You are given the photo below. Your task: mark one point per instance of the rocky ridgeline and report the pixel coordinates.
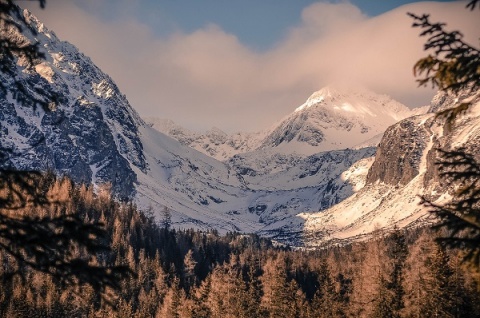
(90, 135)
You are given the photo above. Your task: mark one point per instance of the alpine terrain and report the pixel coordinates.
(332, 118)
(273, 182)
(404, 169)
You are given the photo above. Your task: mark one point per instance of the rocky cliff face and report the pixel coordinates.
(399, 154)
(91, 134)
(460, 134)
(405, 144)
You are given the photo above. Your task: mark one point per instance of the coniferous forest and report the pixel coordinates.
(187, 273)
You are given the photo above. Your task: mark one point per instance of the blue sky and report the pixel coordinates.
(242, 65)
(258, 24)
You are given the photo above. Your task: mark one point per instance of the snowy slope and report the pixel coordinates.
(195, 187)
(403, 170)
(214, 142)
(276, 171)
(205, 193)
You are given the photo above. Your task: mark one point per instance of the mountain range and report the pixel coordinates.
(332, 118)
(328, 155)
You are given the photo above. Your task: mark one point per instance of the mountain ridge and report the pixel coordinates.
(330, 119)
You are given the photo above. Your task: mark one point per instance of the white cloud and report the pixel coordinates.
(209, 78)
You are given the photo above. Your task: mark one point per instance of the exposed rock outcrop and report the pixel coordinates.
(398, 156)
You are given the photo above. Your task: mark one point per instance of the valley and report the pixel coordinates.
(350, 205)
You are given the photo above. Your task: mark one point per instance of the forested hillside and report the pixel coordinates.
(201, 274)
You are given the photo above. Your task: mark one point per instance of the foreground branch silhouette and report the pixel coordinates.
(61, 244)
(454, 66)
(461, 215)
(13, 48)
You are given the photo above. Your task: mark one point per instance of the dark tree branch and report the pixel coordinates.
(19, 189)
(453, 64)
(51, 245)
(65, 246)
(13, 48)
(461, 215)
(471, 5)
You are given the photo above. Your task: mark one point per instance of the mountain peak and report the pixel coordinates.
(215, 131)
(356, 101)
(334, 93)
(318, 97)
(324, 93)
(336, 117)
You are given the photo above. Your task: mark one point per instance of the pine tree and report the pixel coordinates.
(172, 301)
(189, 264)
(390, 294)
(369, 269)
(416, 276)
(166, 218)
(439, 301)
(201, 296)
(326, 300)
(281, 295)
(254, 287)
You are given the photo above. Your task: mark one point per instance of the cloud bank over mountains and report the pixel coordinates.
(208, 77)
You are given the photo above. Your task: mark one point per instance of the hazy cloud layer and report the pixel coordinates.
(208, 78)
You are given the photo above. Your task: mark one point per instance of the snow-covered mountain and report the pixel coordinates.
(333, 118)
(215, 142)
(404, 169)
(92, 134)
